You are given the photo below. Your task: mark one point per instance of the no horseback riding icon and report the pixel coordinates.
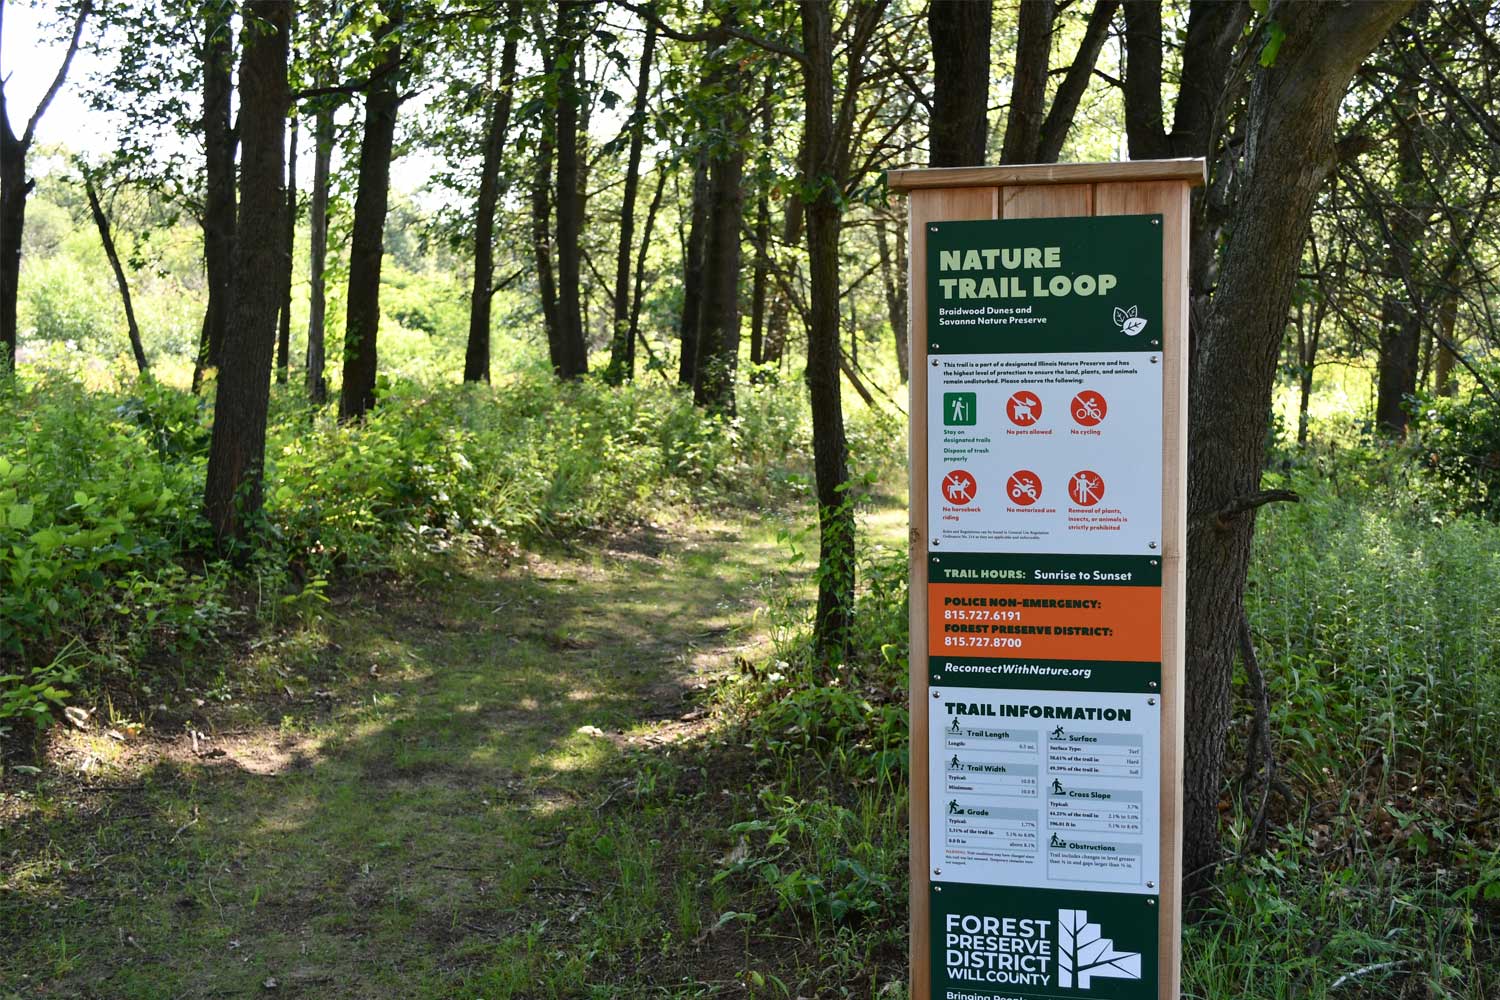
(959, 487)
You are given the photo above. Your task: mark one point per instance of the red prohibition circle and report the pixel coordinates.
(1088, 408)
(1023, 488)
(1086, 487)
(1024, 408)
(959, 487)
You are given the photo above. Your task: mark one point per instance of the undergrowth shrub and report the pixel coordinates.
(108, 565)
(1457, 442)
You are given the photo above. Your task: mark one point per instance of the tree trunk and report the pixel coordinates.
(14, 187)
(1400, 307)
(622, 345)
(830, 448)
(367, 243)
(573, 353)
(760, 281)
(893, 279)
(219, 213)
(233, 490)
(1291, 117)
(101, 222)
(317, 384)
(477, 351)
(1070, 92)
(960, 31)
(719, 314)
(1028, 90)
(284, 334)
(693, 275)
(1443, 382)
(719, 319)
(640, 275)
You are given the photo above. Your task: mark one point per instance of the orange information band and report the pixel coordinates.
(1045, 623)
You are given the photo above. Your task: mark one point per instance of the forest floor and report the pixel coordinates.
(496, 778)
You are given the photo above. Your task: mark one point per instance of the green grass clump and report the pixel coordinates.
(109, 568)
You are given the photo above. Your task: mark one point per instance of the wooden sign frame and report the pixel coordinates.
(1048, 191)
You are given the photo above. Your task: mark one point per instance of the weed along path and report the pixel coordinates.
(468, 786)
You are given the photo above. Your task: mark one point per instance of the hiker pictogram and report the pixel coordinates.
(1024, 408)
(959, 487)
(1089, 408)
(1024, 487)
(1086, 488)
(1057, 787)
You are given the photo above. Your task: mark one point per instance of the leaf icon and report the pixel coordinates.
(1120, 316)
(1133, 326)
(1131, 312)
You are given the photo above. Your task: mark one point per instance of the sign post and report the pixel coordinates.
(1048, 455)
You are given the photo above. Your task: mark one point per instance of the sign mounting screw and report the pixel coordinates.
(937, 694)
(934, 362)
(1150, 885)
(937, 871)
(1153, 359)
(1153, 545)
(936, 541)
(1152, 684)
(1151, 701)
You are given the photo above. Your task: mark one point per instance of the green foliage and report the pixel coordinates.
(1458, 442)
(102, 545)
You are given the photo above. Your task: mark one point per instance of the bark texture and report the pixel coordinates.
(289, 253)
(572, 357)
(317, 383)
(960, 32)
(622, 343)
(219, 211)
(692, 275)
(1292, 112)
(367, 243)
(477, 350)
(236, 457)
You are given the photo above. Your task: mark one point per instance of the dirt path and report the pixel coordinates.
(422, 795)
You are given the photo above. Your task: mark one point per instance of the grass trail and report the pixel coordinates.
(444, 788)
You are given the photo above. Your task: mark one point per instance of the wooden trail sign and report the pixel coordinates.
(1048, 489)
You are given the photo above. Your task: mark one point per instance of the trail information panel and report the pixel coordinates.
(1044, 448)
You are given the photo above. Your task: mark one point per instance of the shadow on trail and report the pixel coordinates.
(471, 789)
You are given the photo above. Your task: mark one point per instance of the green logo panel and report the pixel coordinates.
(1003, 943)
(959, 409)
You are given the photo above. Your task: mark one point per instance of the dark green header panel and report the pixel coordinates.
(1004, 286)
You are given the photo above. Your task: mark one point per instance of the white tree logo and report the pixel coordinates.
(1084, 953)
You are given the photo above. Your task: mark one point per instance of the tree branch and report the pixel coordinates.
(62, 74)
(1245, 504)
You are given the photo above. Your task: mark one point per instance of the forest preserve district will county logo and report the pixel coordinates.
(1007, 951)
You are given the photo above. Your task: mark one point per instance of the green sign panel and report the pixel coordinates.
(960, 409)
(993, 943)
(1044, 606)
(1062, 285)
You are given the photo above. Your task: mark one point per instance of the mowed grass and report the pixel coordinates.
(468, 784)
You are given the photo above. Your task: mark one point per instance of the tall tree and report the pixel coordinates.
(1288, 151)
(236, 457)
(15, 186)
(289, 251)
(477, 351)
(367, 245)
(572, 29)
(317, 384)
(1032, 136)
(688, 326)
(219, 212)
(107, 240)
(761, 237)
(829, 155)
(960, 31)
(621, 348)
(719, 313)
(893, 280)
